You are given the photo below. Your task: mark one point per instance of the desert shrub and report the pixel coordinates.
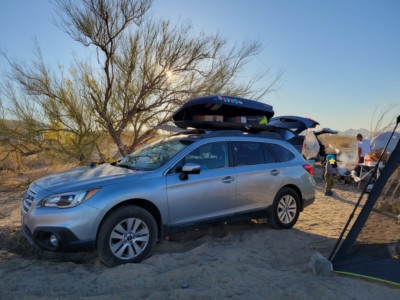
(345, 145)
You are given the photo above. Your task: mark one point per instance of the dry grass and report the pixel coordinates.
(17, 171)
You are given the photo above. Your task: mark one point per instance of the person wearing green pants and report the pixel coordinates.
(330, 169)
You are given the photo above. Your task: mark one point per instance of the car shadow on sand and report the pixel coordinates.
(220, 235)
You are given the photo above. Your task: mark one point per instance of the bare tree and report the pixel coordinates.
(141, 75)
(378, 125)
(45, 112)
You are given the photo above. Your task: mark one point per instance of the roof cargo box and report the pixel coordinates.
(223, 112)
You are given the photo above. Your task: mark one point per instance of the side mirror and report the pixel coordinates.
(187, 169)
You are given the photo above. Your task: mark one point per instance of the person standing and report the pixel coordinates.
(330, 170)
(363, 148)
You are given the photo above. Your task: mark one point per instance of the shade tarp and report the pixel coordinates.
(372, 246)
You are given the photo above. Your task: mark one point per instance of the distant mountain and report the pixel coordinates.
(353, 132)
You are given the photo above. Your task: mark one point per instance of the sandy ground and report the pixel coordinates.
(247, 260)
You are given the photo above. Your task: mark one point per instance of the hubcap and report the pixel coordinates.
(129, 238)
(287, 209)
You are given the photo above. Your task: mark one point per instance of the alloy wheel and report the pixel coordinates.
(129, 238)
(287, 208)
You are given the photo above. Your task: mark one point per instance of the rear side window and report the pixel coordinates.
(248, 153)
(269, 154)
(281, 152)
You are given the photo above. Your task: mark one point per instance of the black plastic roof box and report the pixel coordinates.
(226, 106)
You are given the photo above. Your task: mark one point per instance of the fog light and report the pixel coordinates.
(53, 240)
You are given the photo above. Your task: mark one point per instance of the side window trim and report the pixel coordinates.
(233, 159)
(231, 154)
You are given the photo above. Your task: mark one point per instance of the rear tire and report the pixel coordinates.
(285, 209)
(128, 235)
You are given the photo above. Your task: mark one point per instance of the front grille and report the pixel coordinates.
(28, 200)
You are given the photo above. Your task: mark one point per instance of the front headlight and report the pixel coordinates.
(70, 199)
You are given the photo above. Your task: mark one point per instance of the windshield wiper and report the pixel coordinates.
(133, 168)
(127, 167)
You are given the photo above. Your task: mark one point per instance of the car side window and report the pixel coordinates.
(248, 153)
(209, 156)
(282, 153)
(269, 154)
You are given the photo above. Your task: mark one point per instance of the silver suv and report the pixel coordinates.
(175, 184)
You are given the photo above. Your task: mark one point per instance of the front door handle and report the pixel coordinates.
(228, 179)
(275, 172)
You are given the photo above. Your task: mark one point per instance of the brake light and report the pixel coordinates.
(309, 168)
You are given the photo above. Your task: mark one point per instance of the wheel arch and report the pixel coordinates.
(298, 192)
(143, 203)
(279, 210)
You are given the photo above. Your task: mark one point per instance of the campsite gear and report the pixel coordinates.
(369, 249)
(385, 135)
(263, 121)
(297, 125)
(310, 145)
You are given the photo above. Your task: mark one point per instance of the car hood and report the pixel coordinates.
(84, 177)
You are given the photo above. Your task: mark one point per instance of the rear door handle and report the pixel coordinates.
(275, 172)
(228, 179)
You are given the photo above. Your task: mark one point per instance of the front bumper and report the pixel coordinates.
(62, 230)
(67, 241)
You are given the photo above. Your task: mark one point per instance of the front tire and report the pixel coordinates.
(128, 235)
(285, 209)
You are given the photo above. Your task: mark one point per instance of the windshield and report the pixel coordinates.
(153, 156)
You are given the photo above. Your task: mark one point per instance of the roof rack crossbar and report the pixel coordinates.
(224, 132)
(263, 134)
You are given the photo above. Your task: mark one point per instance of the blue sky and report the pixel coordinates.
(341, 59)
